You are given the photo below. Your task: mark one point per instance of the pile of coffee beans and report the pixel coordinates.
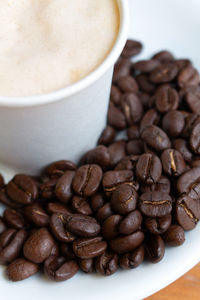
(129, 198)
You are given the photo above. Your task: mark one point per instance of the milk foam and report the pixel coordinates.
(46, 45)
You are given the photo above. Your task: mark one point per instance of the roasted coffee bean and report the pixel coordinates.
(124, 199)
(81, 205)
(127, 163)
(166, 99)
(196, 162)
(173, 123)
(21, 269)
(87, 180)
(144, 98)
(7, 201)
(164, 73)
(148, 168)
(58, 168)
(38, 246)
(132, 108)
(104, 212)
(190, 122)
(112, 179)
(127, 243)
(11, 242)
(131, 48)
(13, 218)
(164, 56)
(162, 185)
(145, 84)
(82, 226)
(183, 63)
(155, 248)
(110, 227)
(22, 189)
(127, 84)
(182, 147)
(2, 226)
(117, 151)
(122, 68)
(135, 147)
(47, 189)
(36, 215)
(115, 94)
(57, 269)
(63, 189)
(192, 99)
(156, 138)
(2, 183)
(188, 77)
(146, 66)
(130, 223)
(116, 118)
(59, 230)
(174, 236)
(155, 204)
(108, 136)
(189, 183)
(86, 265)
(66, 251)
(158, 225)
(133, 259)
(107, 264)
(58, 208)
(97, 201)
(151, 117)
(100, 156)
(173, 162)
(55, 250)
(187, 212)
(133, 132)
(195, 139)
(89, 248)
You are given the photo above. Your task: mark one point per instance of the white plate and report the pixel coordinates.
(172, 24)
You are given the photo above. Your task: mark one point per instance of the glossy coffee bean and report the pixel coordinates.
(182, 146)
(36, 215)
(124, 199)
(162, 185)
(59, 230)
(4, 199)
(133, 132)
(189, 184)
(87, 180)
(63, 189)
(11, 242)
(106, 264)
(100, 156)
(58, 269)
(115, 94)
(173, 162)
(130, 223)
(173, 123)
(174, 236)
(188, 77)
(22, 189)
(135, 147)
(192, 99)
(38, 246)
(195, 139)
(82, 226)
(190, 122)
(148, 168)
(127, 163)
(127, 84)
(13, 218)
(131, 48)
(3, 226)
(164, 73)
(108, 136)
(110, 227)
(47, 189)
(166, 100)
(58, 208)
(89, 248)
(132, 108)
(58, 168)
(97, 201)
(132, 259)
(145, 84)
(156, 138)
(158, 225)
(86, 265)
(127, 243)
(164, 56)
(155, 248)
(122, 68)
(117, 152)
(112, 179)
(21, 269)
(151, 117)
(116, 118)
(67, 251)
(187, 212)
(146, 66)
(104, 212)
(81, 206)
(155, 204)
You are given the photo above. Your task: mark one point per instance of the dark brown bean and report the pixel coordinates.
(155, 248)
(188, 77)
(127, 243)
(86, 265)
(174, 236)
(156, 138)
(81, 205)
(122, 68)
(133, 259)
(130, 223)
(195, 139)
(63, 189)
(155, 204)
(97, 201)
(89, 248)
(127, 163)
(145, 84)
(151, 117)
(2, 226)
(47, 189)
(162, 185)
(164, 56)
(192, 99)
(108, 136)
(110, 227)
(124, 199)
(158, 225)
(164, 73)
(107, 264)
(173, 162)
(21, 269)
(135, 147)
(173, 123)
(58, 208)
(133, 132)
(131, 48)
(146, 66)
(99, 156)
(117, 151)
(37, 215)
(189, 183)
(59, 230)
(13, 218)
(166, 99)
(127, 84)
(104, 212)
(115, 94)
(132, 108)
(58, 168)
(148, 168)
(182, 147)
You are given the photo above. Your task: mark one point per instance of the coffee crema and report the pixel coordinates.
(48, 45)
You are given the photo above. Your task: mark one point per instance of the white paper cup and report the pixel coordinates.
(36, 130)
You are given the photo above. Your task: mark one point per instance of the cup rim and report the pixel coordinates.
(27, 101)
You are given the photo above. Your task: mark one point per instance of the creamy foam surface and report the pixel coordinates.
(46, 45)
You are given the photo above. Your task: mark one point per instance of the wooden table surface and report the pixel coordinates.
(185, 288)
